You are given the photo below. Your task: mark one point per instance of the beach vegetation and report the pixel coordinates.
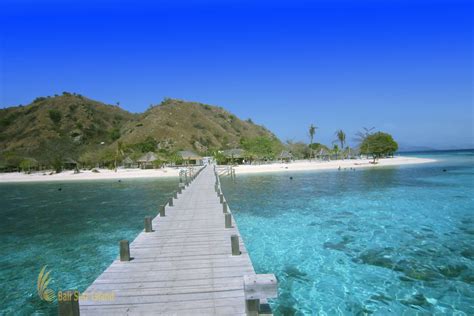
(261, 148)
(341, 138)
(299, 150)
(312, 132)
(379, 145)
(27, 164)
(335, 151)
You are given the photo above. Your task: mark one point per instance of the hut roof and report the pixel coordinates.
(286, 155)
(70, 161)
(148, 157)
(189, 155)
(128, 160)
(234, 153)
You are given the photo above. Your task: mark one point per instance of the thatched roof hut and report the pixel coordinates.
(285, 156)
(190, 157)
(70, 163)
(149, 157)
(128, 161)
(234, 156)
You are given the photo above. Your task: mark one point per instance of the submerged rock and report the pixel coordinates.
(381, 298)
(421, 274)
(340, 245)
(468, 278)
(293, 273)
(376, 257)
(417, 300)
(452, 271)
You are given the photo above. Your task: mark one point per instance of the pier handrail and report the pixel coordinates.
(249, 291)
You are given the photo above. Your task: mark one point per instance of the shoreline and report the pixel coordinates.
(301, 165)
(86, 175)
(305, 165)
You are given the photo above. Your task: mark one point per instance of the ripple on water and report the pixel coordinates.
(387, 241)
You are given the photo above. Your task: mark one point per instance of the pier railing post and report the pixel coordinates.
(175, 194)
(162, 211)
(148, 224)
(257, 287)
(228, 220)
(68, 303)
(170, 201)
(221, 198)
(224, 207)
(234, 241)
(124, 250)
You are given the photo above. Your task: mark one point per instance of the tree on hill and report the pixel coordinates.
(378, 145)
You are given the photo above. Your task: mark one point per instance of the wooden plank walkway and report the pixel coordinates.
(183, 267)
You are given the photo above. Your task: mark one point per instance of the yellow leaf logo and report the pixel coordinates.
(43, 280)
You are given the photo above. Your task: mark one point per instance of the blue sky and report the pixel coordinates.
(404, 67)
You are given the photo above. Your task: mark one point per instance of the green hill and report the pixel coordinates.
(51, 130)
(176, 125)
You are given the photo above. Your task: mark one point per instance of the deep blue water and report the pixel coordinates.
(74, 231)
(395, 240)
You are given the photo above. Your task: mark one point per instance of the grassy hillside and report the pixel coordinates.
(176, 125)
(53, 129)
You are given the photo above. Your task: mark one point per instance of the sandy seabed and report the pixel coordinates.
(301, 165)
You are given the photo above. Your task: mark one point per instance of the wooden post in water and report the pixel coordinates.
(124, 250)
(224, 207)
(148, 225)
(68, 303)
(234, 241)
(170, 201)
(162, 211)
(228, 220)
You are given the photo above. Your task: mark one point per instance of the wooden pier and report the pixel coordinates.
(189, 260)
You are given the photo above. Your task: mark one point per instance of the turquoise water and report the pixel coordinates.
(396, 240)
(74, 231)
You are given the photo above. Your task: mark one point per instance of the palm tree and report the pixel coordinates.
(312, 131)
(118, 153)
(336, 150)
(341, 137)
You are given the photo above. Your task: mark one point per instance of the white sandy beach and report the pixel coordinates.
(305, 165)
(103, 174)
(302, 165)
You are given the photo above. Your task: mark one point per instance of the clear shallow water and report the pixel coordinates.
(397, 240)
(74, 231)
